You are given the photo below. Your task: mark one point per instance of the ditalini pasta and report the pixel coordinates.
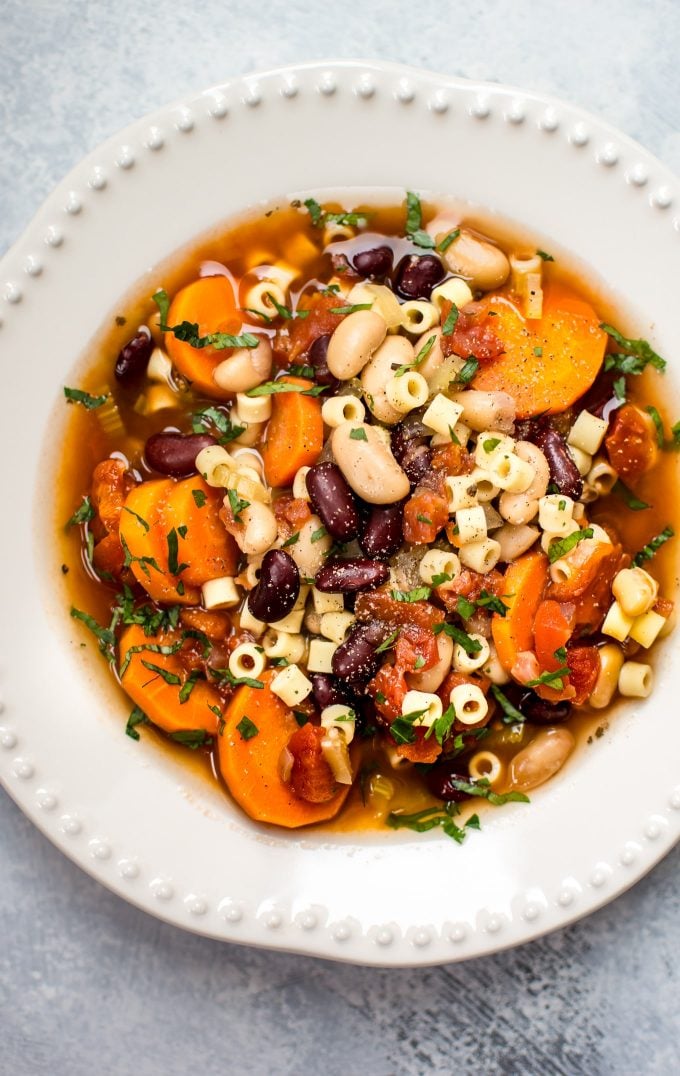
(377, 519)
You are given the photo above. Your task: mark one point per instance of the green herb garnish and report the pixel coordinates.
(270, 388)
(358, 434)
(351, 308)
(470, 646)
(511, 715)
(448, 239)
(387, 645)
(414, 220)
(137, 717)
(451, 320)
(165, 674)
(544, 256)
(417, 595)
(83, 514)
(562, 546)
(237, 504)
(420, 357)
(482, 788)
(632, 500)
(637, 349)
(468, 371)
(90, 403)
(648, 551)
(247, 728)
(191, 738)
(658, 424)
(213, 417)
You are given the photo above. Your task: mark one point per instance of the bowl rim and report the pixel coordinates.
(20, 267)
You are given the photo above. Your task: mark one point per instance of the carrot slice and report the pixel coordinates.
(294, 434)
(160, 700)
(523, 585)
(142, 531)
(548, 363)
(209, 303)
(250, 767)
(205, 546)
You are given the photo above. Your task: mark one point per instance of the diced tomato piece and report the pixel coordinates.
(631, 442)
(553, 626)
(584, 669)
(304, 331)
(589, 589)
(291, 513)
(422, 749)
(472, 336)
(452, 459)
(425, 513)
(379, 605)
(311, 776)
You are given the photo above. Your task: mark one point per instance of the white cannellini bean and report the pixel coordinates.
(393, 352)
(245, 368)
(432, 679)
(308, 555)
(486, 410)
(354, 342)
(368, 465)
(541, 758)
(482, 264)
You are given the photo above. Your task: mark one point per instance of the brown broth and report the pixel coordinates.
(285, 234)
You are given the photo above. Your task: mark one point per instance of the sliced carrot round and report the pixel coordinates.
(523, 586)
(204, 546)
(250, 766)
(294, 433)
(143, 531)
(547, 363)
(208, 302)
(159, 699)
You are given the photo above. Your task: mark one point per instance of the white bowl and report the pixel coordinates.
(140, 823)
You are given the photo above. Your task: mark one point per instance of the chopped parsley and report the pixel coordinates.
(619, 388)
(199, 497)
(90, 403)
(632, 500)
(562, 546)
(228, 677)
(387, 645)
(358, 434)
(490, 444)
(482, 788)
(414, 222)
(137, 717)
(511, 715)
(420, 357)
(423, 519)
(138, 518)
(538, 352)
(174, 566)
(237, 504)
(351, 309)
(444, 244)
(302, 371)
(189, 684)
(210, 417)
(544, 256)
(470, 646)
(639, 350)
(468, 371)
(192, 738)
(675, 432)
(320, 217)
(270, 388)
(658, 424)
(104, 636)
(417, 595)
(442, 726)
(83, 514)
(402, 730)
(318, 534)
(291, 541)
(431, 817)
(165, 674)
(451, 320)
(247, 728)
(648, 551)
(284, 311)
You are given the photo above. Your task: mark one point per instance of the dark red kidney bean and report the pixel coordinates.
(278, 588)
(409, 448)
(347, 576)
(355, 661)
(333, 500)
(175, 453)
(317, 358)
(132, 359)
(375, 263)
(417, 275)
(328, 690)
(540, 712)
(383, 531)
(440, 778)
(563, 471)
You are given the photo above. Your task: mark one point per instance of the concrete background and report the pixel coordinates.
(89, 985)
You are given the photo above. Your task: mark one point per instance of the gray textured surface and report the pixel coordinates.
(90, 985)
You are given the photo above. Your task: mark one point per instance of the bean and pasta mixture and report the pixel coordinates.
(362, 514)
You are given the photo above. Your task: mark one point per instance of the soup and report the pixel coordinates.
(365, 512)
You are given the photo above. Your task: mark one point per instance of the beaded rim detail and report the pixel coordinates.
(68, 825)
